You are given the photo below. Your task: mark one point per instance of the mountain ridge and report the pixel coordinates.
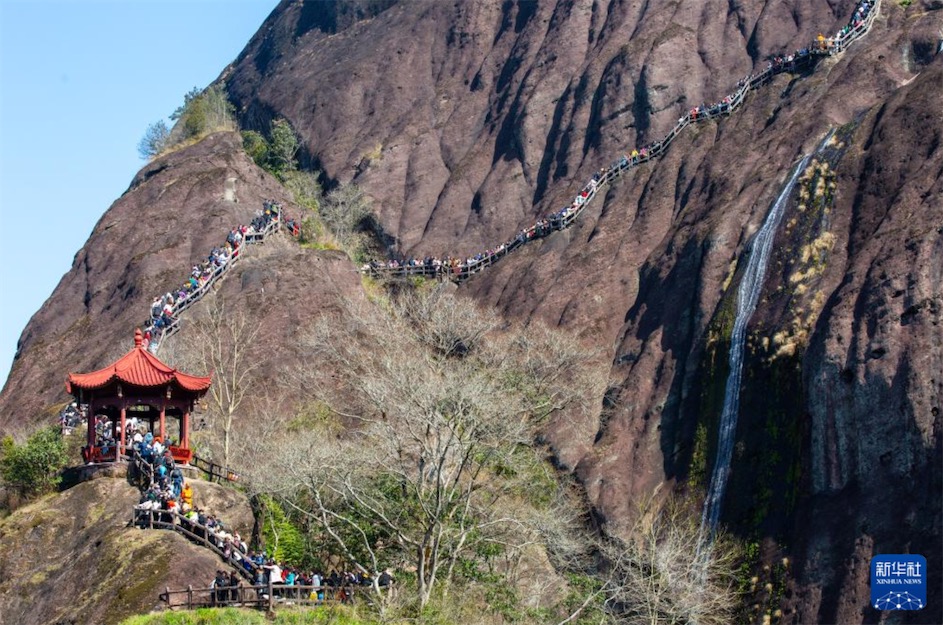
(501, 122)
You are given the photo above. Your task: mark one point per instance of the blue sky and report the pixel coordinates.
(80, 81)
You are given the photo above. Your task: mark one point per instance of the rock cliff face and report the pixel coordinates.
(466, 121)
(871, 375)
(72, 558)
(168, 220)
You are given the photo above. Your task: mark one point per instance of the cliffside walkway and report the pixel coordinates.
(197, 534)
(252, 594)
(262, 596)
(458, 270)
(253, 236)
(141, 474)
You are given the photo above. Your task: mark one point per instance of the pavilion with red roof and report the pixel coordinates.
(136, 385)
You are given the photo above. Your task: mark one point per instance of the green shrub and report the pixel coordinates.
(283, 147)
(188, 99)
(276, 154)
(33, 468)
(256, 147)
(203, 112)
(283, 541)
(305, 188)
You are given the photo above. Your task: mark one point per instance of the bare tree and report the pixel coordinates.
(154, 140)
(222, 340)
(343, 209)
(439, 459)
(662, 576)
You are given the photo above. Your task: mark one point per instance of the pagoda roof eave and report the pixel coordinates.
(138, 368)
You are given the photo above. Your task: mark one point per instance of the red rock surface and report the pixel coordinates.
(521, 107)
(169, 219)
(74, 558)
(465, 121)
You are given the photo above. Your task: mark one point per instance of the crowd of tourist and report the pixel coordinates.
(287, 582)
(169, 493)
(166, 308)
(557, 220)
(293, 584)
(105, 434)
(167, 489)
(71, 416)
(168, 498)
(459, 268)
(106, 430)
(855, 27)
(225, 587)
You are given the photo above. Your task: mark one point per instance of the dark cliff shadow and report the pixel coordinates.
(669, 303)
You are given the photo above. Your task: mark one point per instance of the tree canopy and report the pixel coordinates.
(438, 471)
(34, 467)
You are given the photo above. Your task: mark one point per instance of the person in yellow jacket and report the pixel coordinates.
(186, 496)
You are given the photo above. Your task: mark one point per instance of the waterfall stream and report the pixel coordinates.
(751, 285)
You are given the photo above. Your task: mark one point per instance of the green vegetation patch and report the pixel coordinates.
(34, 467)
(341, 219)
(283, 540)
(333, 615)
(203, 112)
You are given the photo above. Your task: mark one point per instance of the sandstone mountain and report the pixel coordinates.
(173, 214)
(467, 121)
(54, 546)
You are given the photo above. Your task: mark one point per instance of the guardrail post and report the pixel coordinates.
(170, 603)
(271, 595)
(189, 597)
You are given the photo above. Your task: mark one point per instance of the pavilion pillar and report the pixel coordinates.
(185, 429)
(90, 418)
(122, 435)
(163, 424)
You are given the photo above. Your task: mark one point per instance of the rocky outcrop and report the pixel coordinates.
(465, 121)
(168, 220)
(871, 376)
(438, 108)
(510, 123)
(73, 557)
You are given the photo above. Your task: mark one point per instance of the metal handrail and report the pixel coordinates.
(200, 534)
(263, 596)
(802, 58)
(216, 472)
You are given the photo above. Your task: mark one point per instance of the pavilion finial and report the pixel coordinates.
(138, 338)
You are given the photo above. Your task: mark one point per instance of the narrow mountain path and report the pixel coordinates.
(164, 319)
(152, 513)
(460, 269)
